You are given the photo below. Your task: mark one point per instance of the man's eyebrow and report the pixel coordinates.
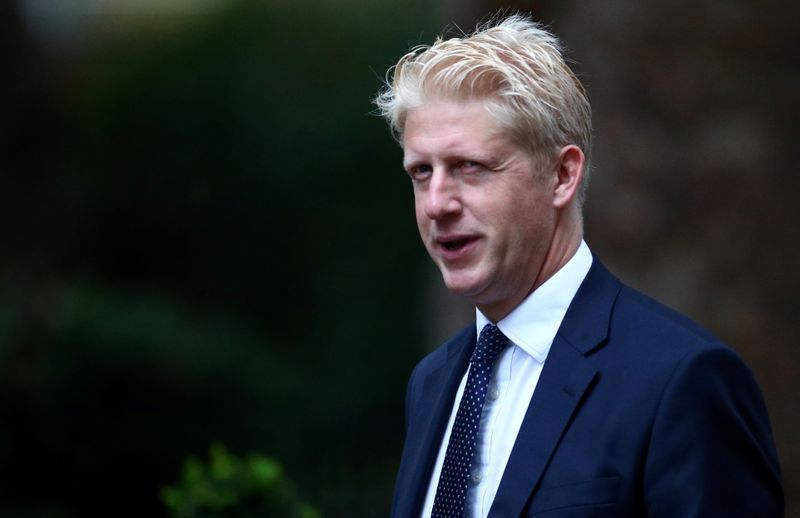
(413, 159)
(483, 158)
(407, 164)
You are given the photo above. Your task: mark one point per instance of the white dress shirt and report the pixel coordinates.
(531, 328)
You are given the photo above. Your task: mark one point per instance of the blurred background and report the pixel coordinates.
(207, 237)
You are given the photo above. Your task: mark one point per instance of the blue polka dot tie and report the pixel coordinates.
(451, 493)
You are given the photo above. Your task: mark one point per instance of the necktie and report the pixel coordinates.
(451, 492)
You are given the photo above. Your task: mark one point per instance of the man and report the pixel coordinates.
(572, 395)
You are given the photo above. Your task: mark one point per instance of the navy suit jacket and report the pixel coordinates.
(638, 412)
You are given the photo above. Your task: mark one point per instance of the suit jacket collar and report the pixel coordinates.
(585, 326)
(566, 378)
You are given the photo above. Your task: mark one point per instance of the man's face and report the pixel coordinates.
(484, 209)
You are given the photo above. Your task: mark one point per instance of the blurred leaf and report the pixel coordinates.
(230, 487)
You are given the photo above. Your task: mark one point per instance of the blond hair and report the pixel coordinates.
(517, 66)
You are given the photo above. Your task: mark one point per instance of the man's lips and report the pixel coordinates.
(455, 247)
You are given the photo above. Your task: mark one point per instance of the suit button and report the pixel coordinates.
(476, 477)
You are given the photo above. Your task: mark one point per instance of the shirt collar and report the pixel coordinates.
(534, 323)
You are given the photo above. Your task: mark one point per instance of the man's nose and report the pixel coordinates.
(443, 196)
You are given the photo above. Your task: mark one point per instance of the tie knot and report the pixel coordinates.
(490, 343)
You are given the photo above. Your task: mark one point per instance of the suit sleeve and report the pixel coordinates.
(711, 451)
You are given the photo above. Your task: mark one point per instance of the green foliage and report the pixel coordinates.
(233, 487)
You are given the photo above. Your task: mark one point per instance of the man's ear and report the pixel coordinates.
(569, 172)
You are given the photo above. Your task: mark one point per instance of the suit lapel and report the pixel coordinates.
(429, 423)
(566, 377)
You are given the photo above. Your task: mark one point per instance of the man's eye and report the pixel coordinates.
(420, 172)
(470, 166)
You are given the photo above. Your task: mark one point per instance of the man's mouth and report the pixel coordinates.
(456, 247)
(456, 244)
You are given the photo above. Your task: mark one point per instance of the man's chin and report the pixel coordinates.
(468, 287)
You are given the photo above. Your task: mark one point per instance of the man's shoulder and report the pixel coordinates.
(607, 310)
(447, 350)
(449, 353)
(633, 325)
(638, 305)
(659, 329)
(661, 351)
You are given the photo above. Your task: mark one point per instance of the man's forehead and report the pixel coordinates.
(453, 128)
